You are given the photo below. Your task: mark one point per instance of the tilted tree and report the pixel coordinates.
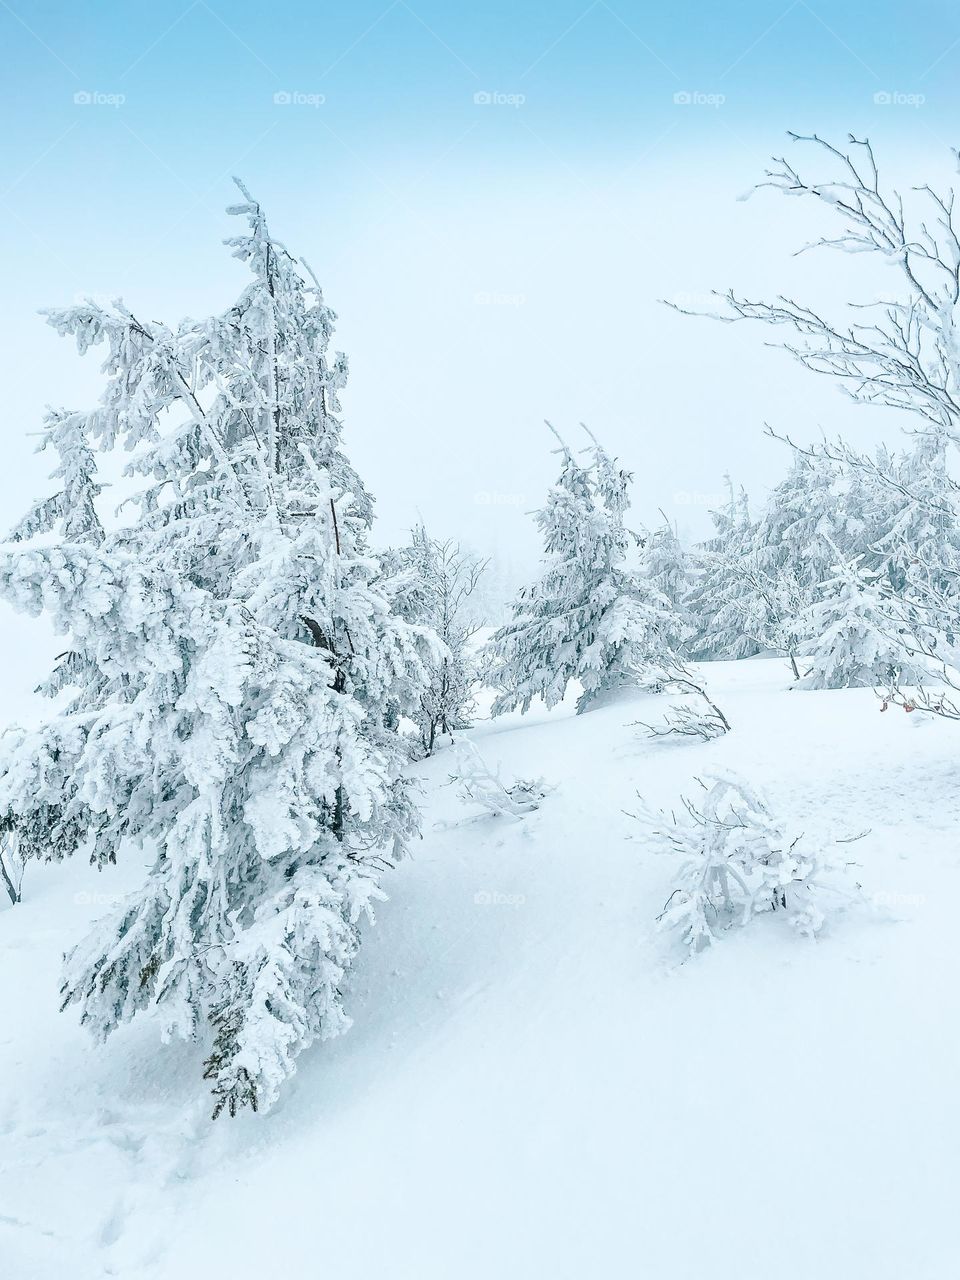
(232, 656)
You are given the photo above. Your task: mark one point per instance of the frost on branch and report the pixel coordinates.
(857, 641)
(72, 510)
(478, 784)
(701, 718)
(737, 862)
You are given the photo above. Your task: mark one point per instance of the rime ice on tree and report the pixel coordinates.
(590, 617)
(237, 671)
(433, 583)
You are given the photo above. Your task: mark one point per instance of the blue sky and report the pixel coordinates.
(398, 80)
(493, 261)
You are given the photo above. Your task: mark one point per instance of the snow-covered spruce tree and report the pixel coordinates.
(665, 566)
(589, 617)
(855, 642)
(916, 549)
(233, 659)
(791, 554)
(724, 605)
(756, 576)
(801, 513)
(433, 585)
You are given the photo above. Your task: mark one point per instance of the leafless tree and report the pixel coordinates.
(905, 353)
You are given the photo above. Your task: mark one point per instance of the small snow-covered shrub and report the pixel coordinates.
(737, 862)
(479, 784)
(702, 719)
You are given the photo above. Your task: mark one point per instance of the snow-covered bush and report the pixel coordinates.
(237, 674)
(736, 862)
(478, 784)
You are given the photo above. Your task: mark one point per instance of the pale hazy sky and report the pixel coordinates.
(493, 261)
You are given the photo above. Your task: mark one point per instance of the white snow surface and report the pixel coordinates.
(538, 1083)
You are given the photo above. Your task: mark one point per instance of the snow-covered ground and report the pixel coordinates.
(536, 1084)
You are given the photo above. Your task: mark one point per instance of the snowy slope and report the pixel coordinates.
(535, 1085)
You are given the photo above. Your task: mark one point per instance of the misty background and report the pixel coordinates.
(495, 202)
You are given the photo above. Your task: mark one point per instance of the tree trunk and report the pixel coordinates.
(11, 888)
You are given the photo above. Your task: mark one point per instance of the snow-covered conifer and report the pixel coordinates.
(725, 607)
(72, 510)
(801, 513)
(665, 566)
(234, 658)
(856, 641)
(589, 617)
(916, 549)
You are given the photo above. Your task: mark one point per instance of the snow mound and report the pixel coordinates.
(538, 1083)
